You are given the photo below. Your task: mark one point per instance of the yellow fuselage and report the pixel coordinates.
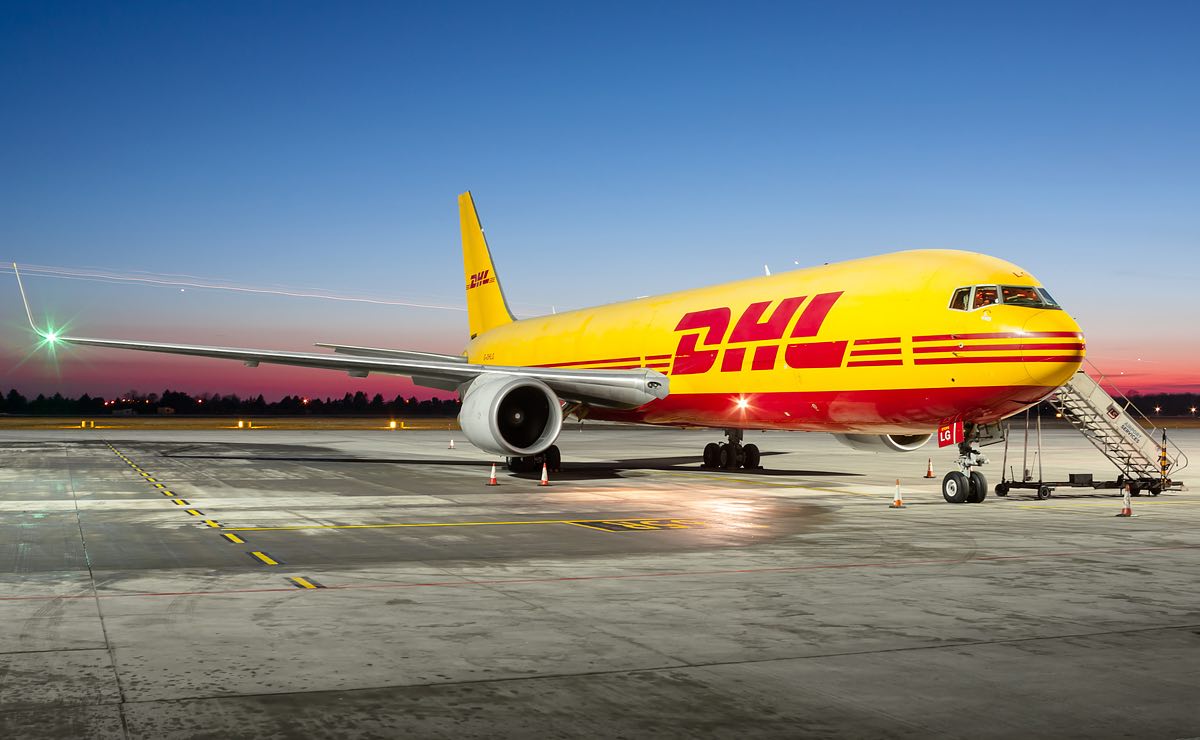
(869, 345)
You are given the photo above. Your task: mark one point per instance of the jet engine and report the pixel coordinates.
(510, 415)
(884, 442)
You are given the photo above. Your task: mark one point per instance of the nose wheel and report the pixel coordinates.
(964, 488)
(967, 485)
(731, 455)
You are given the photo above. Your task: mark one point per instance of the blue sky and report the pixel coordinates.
(614, 150)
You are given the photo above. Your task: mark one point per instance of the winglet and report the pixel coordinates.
(28, 313)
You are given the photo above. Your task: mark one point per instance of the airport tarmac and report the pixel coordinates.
(271, 583)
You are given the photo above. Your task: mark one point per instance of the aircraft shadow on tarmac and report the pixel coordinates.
(570, 471)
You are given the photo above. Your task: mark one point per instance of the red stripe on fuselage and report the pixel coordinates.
(866, 411)
(871, 352)
(1022, 358)
(998, 347)
(999, 335)
(874, 363)
(878, 340)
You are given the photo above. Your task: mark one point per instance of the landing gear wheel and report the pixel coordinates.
(978, 485)
(1044, 492)
(752, 457)
(553, 459)
(1001, 489)
(519, 464)
(1134, 490)
(723, 452)
(712, 455)
(955, 487)
(732, 456)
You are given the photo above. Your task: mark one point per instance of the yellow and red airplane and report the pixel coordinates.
(882, 352)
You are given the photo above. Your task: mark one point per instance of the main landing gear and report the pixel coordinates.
(533, 464)
(966, 485)
(733, 454)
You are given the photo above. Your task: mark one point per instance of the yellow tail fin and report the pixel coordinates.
(486, 307)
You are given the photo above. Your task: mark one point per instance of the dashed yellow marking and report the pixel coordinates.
(181, 502)
(633, 525)
(165, 492)
(303, 582)
(265, 558)
(159, 485)
(452, 524)
(233, 538)
(213, 523)
(193, 512)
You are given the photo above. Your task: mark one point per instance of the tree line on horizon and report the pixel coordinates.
(216, 404)
(359, 404)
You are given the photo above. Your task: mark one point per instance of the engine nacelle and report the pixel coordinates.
(510, 416)
(884, 442)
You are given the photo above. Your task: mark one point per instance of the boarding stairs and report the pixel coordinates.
(1123, 434)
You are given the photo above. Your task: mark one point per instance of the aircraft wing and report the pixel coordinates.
(348, 349)
(613, 388)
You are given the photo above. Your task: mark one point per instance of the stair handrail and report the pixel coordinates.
(1181, 458)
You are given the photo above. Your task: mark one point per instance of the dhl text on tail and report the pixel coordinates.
(881, 351)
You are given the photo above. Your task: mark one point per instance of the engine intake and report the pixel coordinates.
(884, 442)
(510, 416)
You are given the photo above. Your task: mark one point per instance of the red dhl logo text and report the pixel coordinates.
(480, 278)
(708, 330)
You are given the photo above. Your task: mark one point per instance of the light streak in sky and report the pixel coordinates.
(191, 281)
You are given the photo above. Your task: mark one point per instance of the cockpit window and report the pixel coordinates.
(985, 295)
(982, 296)
(1021, 295)
(1049, 299)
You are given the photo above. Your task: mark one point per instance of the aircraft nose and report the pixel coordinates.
(1053, 348)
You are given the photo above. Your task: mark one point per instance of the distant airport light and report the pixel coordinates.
(392, 424)
(241, 424)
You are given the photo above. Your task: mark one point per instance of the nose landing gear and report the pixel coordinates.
(966, 485)
(733, 454)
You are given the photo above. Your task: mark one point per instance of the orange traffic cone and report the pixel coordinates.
(492, 480)
(929, 470)
(545, 478)
(1126, 509)
(898, 500)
